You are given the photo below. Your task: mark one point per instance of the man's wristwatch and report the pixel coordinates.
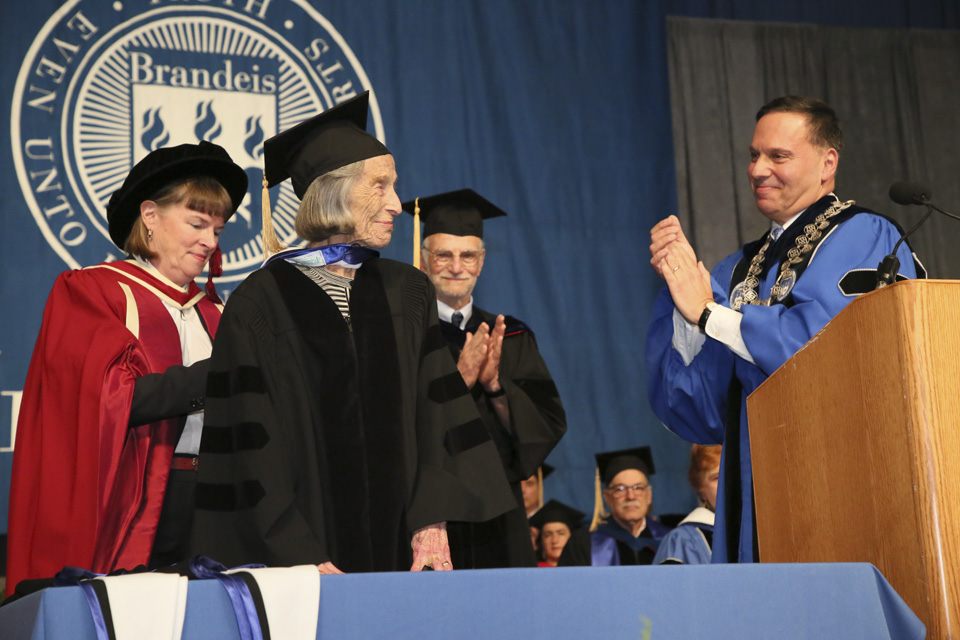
(495, 394)
(704, 316)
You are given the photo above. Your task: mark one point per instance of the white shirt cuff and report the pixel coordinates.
(724, 326)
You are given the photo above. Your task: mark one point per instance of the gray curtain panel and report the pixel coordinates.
(897, 92)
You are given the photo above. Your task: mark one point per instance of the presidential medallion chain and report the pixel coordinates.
(787, 277)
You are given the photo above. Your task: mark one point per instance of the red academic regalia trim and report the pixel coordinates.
(86, 490)
(173, 295)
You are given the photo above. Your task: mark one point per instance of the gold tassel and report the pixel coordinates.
(271, 244)
(598, 513)
(416, 242)
(540, 484)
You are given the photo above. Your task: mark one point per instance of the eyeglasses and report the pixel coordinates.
(620, 490)
(467, 258)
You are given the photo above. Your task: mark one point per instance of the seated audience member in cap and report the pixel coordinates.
(500, 363)
(627, 535)
(532, 492)
(692, 541)
(532, 489)
(109, 425)
(555, 522)
(344, 436)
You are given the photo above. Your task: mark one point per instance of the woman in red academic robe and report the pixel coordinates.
(109, 424)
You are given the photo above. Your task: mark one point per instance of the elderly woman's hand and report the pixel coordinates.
(431, 548)
(328, 568)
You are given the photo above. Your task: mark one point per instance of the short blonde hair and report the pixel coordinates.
(325, 208)
(203, 194)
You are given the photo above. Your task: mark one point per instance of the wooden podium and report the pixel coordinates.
(855, 443)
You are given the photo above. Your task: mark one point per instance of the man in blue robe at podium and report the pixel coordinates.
(714, 337)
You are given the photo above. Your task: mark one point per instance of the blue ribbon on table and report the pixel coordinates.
(237, 590)
(74, 576)
(93, 603)
(244, 608)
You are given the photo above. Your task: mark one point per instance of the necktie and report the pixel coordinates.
(776, 233)
(457, 318)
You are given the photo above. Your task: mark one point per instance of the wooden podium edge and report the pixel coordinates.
(929, 440)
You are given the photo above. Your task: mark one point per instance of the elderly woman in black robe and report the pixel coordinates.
(339, 432)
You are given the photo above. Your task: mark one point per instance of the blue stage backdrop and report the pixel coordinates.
(555, 110)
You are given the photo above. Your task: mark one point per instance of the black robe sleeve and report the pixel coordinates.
(176, 392)
(265, 491)
(259, 492)
(537, 418)
(458, 475)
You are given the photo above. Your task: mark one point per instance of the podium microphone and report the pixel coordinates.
(915, 193)
(906, 193)
(910, 193)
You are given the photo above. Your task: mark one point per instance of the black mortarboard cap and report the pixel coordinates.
(459, 213)
(164, 166)
(546, 470)
(327, 141)
(556, 511)
(611, 463)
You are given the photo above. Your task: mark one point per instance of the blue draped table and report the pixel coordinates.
(716, 601)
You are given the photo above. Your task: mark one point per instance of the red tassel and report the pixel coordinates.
(214, 270)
